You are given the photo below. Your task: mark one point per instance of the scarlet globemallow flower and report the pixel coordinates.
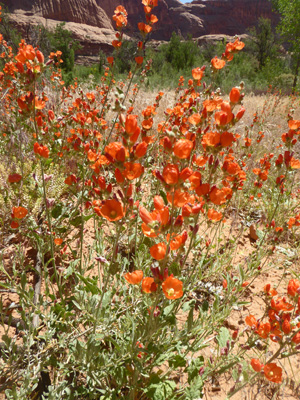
(145, 215)
(41, 150)
(217, 63)
(256, 365)
(234, 95)
(269, 291)
(183, 148)
(14, 178)
(217, 196)
(273, 373)
(263, 330)
(131, 124)
(132, 170)
(135, 277)
(214, 215)
(158, 202)
(171, 174)
(148, 285)
(158, 251)
(172, 288)
(251, 321)
(112, 210)
(197, 73)
(19, 212)
(281, 305)
(293, 288)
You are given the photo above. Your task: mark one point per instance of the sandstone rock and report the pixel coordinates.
(91, 20)
(91, 38)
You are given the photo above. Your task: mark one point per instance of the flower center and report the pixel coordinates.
(171, 292)
(113, 213)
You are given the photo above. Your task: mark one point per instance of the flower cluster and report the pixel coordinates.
(283, 325)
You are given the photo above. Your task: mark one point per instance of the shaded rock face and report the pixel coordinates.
(88, 19)
(79, 11)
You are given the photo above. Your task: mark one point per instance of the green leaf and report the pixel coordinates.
(90, 284)
(177, 361)
(223, 337)
(205, 306)
(194, 391)
(57, 210)
(161, 390)
(194, 367)
(164, 196)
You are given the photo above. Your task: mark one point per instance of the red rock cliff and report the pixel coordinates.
(91, 20)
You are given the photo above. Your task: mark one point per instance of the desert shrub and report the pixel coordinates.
(122, 216)
(8, 31)
(180, 54)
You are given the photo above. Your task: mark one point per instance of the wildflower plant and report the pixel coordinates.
(117, 222)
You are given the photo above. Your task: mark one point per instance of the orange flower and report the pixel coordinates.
(235, 95)
(281, 305)
(141, 150)
(148, 231)
(226, 139)
(286, 326)
(224, 116)
(211, 139)
(269, 291)
(273, 373)
(180, 198)
(183, 148)
(172, 288)
(200, 161)
(263, 330)
(135, 277)
(251, 321)
(58, 241)
(158, 251)
(171, 174)
(120, 17)
(214, 215)
(294, 124)
(116, 150)
(294, 163)
(144, 28)
(240, 113)
(203, 189)
(14, 224)
(139, 60)
(41, 150)
(177, 241)
(150, 3)
(293, 288)
(132, 170)
(296, 338)
(217, 196)
(197, 74)
(256, 365)
(195, 119)
(212, 104)
(145, 215)
(112, 210)
(70, 179)
(158, 202)
(131, 124)
(19, 212)
(217, 63)
(147, 124)
(14, 178)
(148, 285)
